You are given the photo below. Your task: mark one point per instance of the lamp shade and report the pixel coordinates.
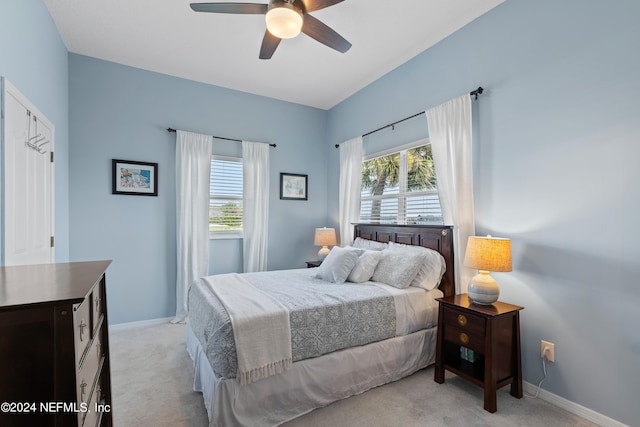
(325, 237)
(488, 253)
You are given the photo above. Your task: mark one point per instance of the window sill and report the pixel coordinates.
(225, 236)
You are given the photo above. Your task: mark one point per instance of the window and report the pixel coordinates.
(400, 187)
(225, 197)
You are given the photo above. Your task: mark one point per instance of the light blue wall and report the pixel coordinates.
(33, 58)
(556, 170)
(119, 112)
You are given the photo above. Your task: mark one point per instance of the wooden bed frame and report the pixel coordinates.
(436, 237)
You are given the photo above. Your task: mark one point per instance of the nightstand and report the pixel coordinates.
(311, 264)
(480, 343)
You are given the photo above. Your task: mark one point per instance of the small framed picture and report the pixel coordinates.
(293, 186)
(135, 178)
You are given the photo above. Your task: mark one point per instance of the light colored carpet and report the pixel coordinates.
(152, 378)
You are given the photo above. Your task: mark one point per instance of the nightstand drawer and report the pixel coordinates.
(467, 322)
(464, 338)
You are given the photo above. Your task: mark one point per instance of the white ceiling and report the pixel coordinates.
(166, 36)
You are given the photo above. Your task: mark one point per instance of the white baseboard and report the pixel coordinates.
(574, 408)
(129, 325)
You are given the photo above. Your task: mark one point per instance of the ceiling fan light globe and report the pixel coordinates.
(284, 22)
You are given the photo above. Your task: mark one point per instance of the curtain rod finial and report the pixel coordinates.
(477, 92)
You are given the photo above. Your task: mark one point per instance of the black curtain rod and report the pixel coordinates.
(221, 137)
(474, 93)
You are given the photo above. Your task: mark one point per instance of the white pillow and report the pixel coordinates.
(360, 251)
(364, 268)
(431, 270)
(338, 264)
(369, 244)
(398, 267)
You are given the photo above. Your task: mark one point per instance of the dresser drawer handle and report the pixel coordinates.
(464, 338)
(82, 325)
(462, 320)
(97, 300)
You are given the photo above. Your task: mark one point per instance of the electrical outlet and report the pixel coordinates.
(547, 350)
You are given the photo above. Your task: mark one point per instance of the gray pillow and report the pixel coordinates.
(365, 267)
(371, 245)
(338, 264)
(431, 270)
(397, 268)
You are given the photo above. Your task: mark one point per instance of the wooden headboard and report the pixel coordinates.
(436, 237)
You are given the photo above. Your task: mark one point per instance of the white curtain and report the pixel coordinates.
(255, 209)
(350, 183)
(450, 136)
(193, 171)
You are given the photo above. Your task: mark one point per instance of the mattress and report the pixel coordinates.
(325, 317)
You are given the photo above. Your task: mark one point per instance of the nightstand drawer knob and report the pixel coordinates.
(464, 338)
(462, 320)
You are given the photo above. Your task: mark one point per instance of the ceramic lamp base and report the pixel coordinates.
(322, 253)
(483, 289)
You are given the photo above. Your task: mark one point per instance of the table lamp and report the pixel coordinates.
(486, 254)
(324, 237)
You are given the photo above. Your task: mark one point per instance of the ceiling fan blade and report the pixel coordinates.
(269, 45)
(315, 29)
(244, 8)
(311, 5)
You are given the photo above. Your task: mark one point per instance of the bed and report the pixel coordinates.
(375, 335)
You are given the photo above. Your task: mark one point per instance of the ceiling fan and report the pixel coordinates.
(285, 19)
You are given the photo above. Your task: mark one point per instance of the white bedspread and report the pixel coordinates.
(261, 327)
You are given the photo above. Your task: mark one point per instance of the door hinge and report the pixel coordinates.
(52, 241)
(52, 157)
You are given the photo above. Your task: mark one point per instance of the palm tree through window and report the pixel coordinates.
(400, 188)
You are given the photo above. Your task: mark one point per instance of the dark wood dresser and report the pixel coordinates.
(54, 345)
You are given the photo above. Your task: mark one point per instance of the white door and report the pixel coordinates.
(28, 181)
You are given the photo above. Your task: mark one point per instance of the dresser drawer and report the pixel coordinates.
(100, 397)
(469, 323)
(91, 417)
(81, 328)
(97, 304)
(98, 405)
(88, 372)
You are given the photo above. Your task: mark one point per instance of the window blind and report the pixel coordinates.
(225, 194)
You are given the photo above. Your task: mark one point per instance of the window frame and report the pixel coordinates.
(403, 192)
(227, 234)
